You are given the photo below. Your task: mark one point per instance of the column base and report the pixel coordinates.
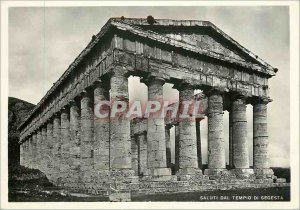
(185, 174)
(264, 173)
(159, 174)
(123, 175)
(243, 173)
(218, 173)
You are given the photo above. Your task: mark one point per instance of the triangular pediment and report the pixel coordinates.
(202, 35)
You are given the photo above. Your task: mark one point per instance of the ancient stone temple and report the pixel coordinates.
(77, 151)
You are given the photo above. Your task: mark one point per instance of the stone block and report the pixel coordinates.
(159, 172)
(264, 171)
(280, 180)
(189, 171)
(120, 197)
(215, 171)
(160, 178)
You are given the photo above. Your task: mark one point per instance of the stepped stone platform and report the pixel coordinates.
(122, 189)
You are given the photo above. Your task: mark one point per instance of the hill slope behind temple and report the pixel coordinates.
(17, 112)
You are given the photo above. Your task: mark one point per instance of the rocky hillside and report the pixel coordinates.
(17, 112)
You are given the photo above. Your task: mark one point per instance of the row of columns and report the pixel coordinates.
(73, 144)
(238, 140)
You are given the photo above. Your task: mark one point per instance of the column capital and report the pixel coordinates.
(168, 126)
(72, 102)
(57, 114)
(83, 93)
(150, 79)
(49, 120)
(238, 96)
(213, 91)
(98, 83)
(64, 110)
(119, 71)
(183, 85)
(260, 100)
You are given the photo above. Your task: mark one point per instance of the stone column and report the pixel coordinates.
(64, 166)
(21, 154)
(142, 153)
(230, 141)
(101, 125)
(39, 149)
(134, 155)
(156, 142)
(120, 140)
(198, 135)
(26, 164)
(75, 140)
(43, 148)
(239, 137)
(33, 150)
(188, 159)
(27, 153)
(24, 154)
(260, 139)
(49, 156)
(216, 143)
(87, 137)
(176, 147)
(56, 156)
(168, 145)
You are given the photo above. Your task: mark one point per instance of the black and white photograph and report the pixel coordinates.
(141, 104)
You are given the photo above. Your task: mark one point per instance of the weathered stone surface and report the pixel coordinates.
(22, 154)
(216, 143)
(239, 134)
(134, 155)
(33, 151)
(142, 153)
(56, 151)
(44, 149)
(156, 142)
(87, 129)
(29, 152)
(120, 140)
(188, 159)
(75, 141)
(176, 148)
(49, 156)
(230, 141)
(39, 150)
(120, 197)
(101, 130)
(66, 161)
(260, 136)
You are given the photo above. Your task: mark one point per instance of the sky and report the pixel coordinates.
(44, 41)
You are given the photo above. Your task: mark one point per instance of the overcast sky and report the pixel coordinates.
(44, 41)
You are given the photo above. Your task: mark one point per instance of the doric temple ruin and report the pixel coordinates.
(63, 138)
